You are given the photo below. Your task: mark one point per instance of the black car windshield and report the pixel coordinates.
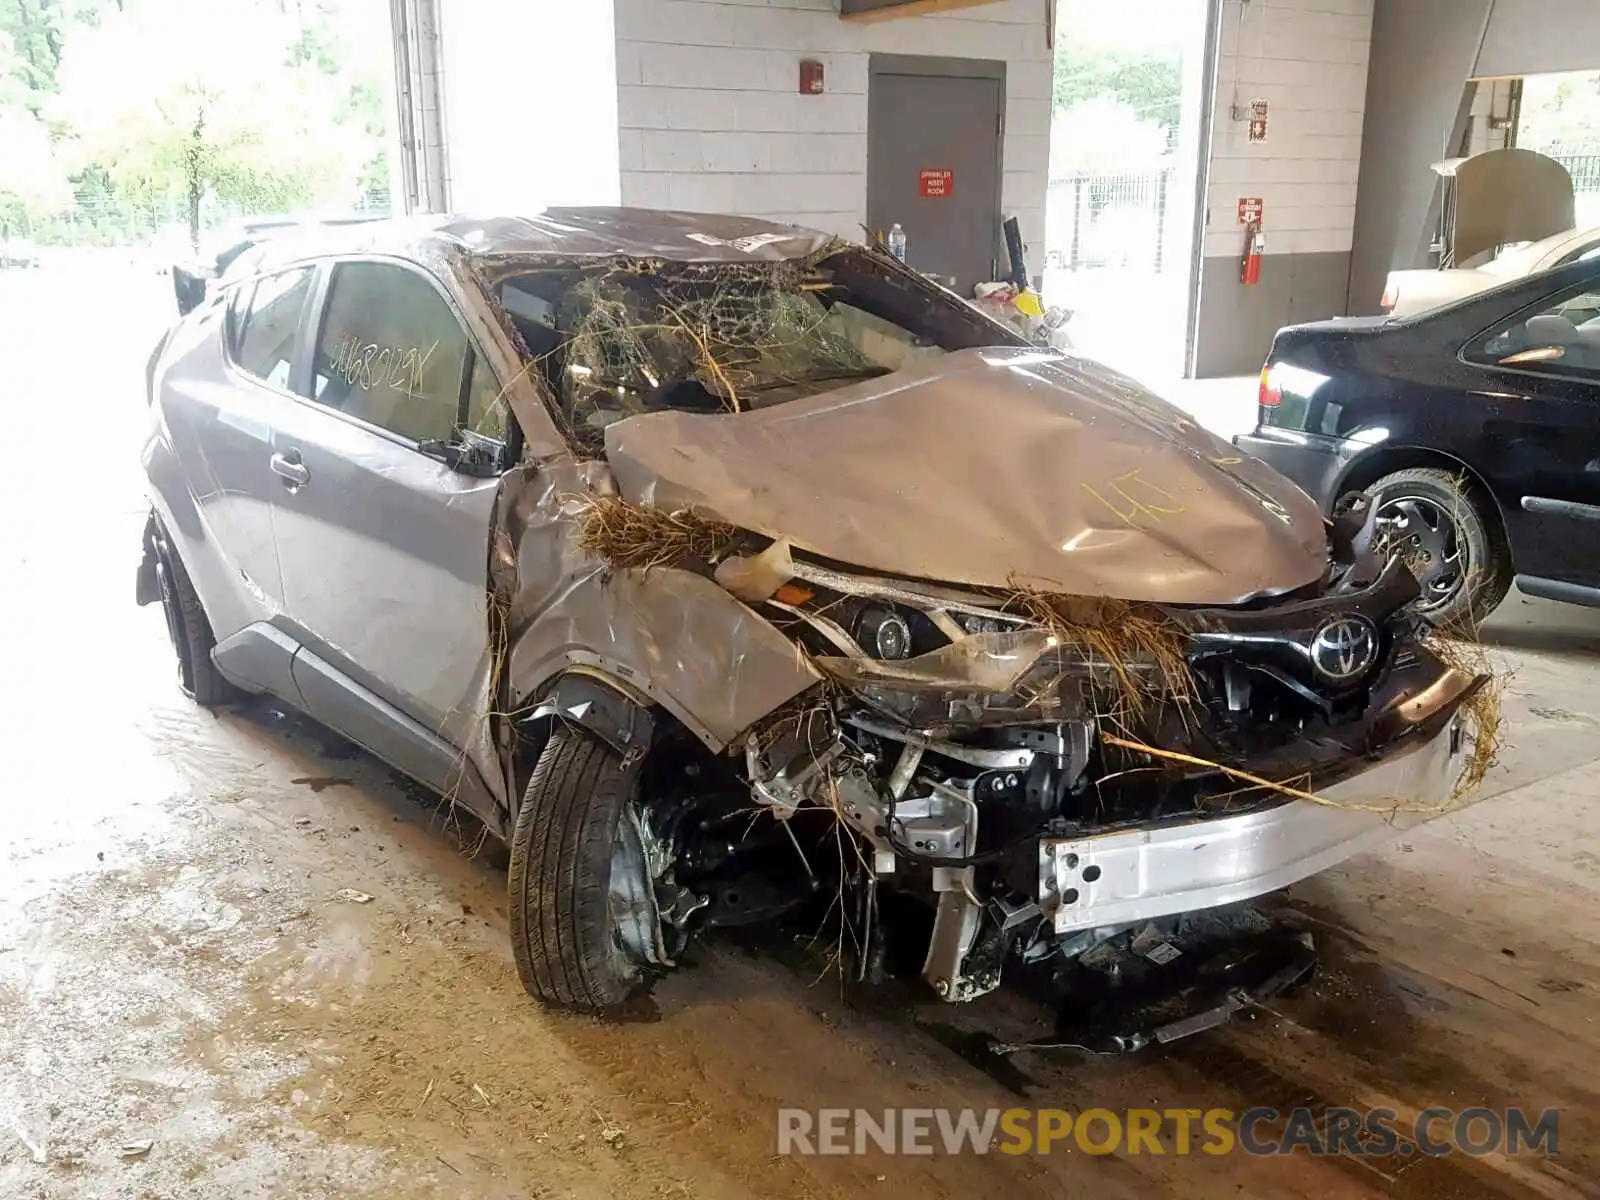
(622, 341)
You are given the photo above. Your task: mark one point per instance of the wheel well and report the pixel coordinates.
(619, 717)
(1374, 465)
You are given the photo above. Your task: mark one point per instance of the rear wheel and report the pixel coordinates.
(585, 930)
(192, 639)
(1450, 536)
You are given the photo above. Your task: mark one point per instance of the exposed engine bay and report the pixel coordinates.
(1047, 779)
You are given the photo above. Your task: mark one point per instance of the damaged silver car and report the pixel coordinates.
(721, 568)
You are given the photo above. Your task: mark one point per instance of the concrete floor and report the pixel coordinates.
(177, 968)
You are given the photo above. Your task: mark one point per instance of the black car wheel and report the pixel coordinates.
(190, 631)
(1450, 537)
(584, 926)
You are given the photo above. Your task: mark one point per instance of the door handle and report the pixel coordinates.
(291, 468)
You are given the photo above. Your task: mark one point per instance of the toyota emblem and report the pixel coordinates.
(1343, 648)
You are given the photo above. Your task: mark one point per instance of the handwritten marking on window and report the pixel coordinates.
(371, 365)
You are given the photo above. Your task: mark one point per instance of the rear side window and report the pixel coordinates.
(1560, 337)
(391, 352)
(264, 323)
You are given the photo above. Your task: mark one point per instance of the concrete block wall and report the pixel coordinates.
(710, 117)
(1308, 60)
(530, 103)
(1490, 115)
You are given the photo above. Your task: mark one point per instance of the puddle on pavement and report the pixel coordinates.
(321, 783)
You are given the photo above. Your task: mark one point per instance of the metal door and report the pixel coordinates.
(221, 412)
(1542, 437)
(385, 550)
(1546, 443)
(933, 163)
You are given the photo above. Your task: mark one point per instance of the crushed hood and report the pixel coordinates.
(988, 467)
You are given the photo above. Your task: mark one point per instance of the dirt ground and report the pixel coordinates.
(189, 1008)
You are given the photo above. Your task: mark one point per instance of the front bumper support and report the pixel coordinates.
(1134, 875)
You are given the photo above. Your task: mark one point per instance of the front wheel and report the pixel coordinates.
(585, 930)
(1450, 536)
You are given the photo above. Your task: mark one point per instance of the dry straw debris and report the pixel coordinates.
(715, 340)
(1484, 718)
(644, 536)
(1482, 709)
(1136, 644)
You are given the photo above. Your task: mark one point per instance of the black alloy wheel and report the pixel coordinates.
(1450, 537)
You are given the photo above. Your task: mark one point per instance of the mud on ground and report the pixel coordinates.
(181, 963)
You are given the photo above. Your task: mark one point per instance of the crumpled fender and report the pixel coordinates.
(671, 635)
(616, 715)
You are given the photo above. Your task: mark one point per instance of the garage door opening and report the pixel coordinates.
(1559, 115)
(1124, 157)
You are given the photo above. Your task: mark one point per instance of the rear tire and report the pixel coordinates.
(564, 933)
(190, 630)
(1429, 509)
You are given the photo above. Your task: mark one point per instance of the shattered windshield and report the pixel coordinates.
(623, 341)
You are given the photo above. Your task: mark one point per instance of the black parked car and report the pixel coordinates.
(1475, 427)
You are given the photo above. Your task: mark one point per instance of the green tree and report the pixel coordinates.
(331, 41)
(36, 31)
(1561, 114)
(16, 92)
(32, 181)
(229, 118)
(1150, 84)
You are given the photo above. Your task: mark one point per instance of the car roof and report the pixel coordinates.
(556, 235)
(1559, 244)
(1512, 295)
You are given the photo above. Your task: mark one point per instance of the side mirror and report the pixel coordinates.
(190, 289)
(467, 452)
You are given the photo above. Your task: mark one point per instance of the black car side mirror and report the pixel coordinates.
(190, 289)
(467, 452)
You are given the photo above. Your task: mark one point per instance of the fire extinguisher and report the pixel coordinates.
(1255, 245)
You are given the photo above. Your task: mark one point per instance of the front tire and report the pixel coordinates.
(575, 858)
(1450, 535)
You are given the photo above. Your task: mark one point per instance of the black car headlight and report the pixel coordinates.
(884, 633)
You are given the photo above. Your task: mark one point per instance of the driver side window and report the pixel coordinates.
(1558, 338)
(391, 352)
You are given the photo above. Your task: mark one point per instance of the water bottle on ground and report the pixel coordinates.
(897, 242)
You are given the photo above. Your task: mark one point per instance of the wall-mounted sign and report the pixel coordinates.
(1258, 120)
(936, 182)
(1250, 210)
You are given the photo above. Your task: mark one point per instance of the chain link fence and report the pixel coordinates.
(1585, 172)
(98, 218)
(1099, 219)
(1117, 257)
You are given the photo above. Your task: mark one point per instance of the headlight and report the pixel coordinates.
(884, 634)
